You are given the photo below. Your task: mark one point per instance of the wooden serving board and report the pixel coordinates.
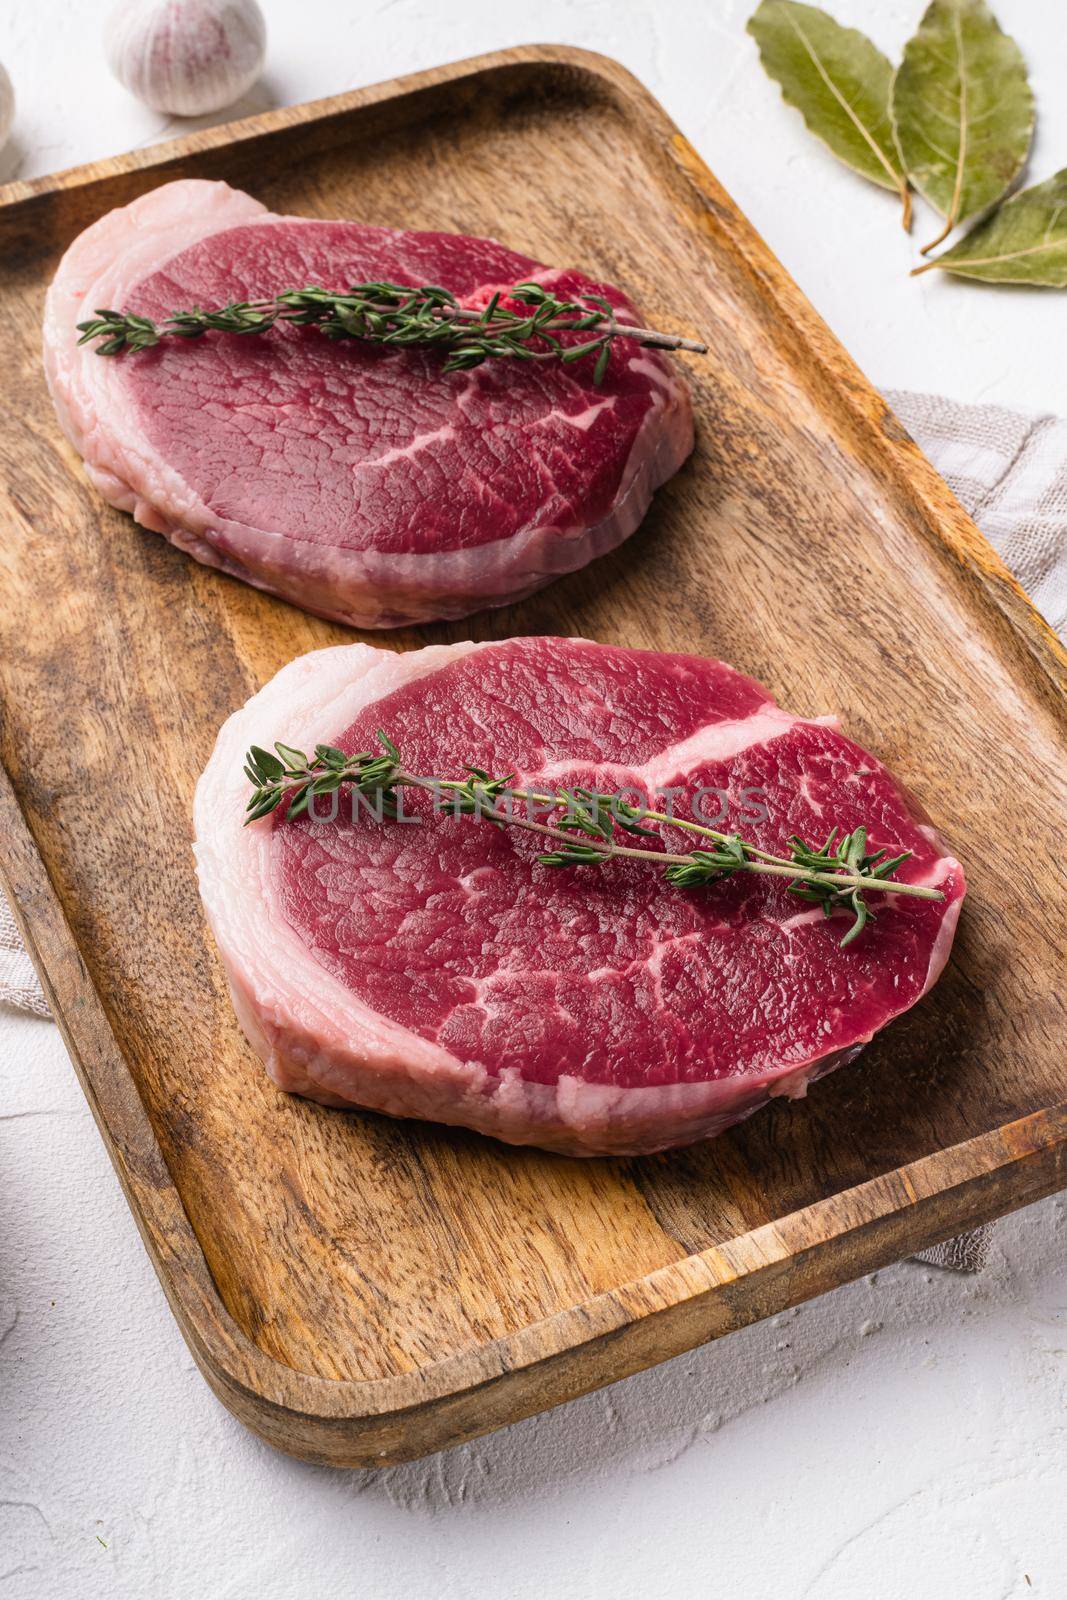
(359, 1290)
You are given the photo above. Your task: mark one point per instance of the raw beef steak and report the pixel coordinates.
(435, 969)
(361, 483)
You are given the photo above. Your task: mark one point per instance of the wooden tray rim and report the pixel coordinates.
(956, 1186)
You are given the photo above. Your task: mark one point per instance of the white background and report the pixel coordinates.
(903, 1437)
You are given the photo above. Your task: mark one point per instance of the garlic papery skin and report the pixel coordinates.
(7, 106)
(186, 57)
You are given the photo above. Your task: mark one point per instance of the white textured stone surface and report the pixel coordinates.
(903, 1437)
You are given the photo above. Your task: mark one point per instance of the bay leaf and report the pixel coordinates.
(1024, 241)
(839, 82)
(963, 111)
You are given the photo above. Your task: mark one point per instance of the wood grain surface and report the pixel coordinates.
(361, 1290)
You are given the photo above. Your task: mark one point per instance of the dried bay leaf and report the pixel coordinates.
(839, 82)
(962, 110)
(1024, 241)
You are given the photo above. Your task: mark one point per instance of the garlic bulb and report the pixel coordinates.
(186, 57)
(7, 106)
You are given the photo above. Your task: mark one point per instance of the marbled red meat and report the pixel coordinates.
(435, 969)
(361, 483)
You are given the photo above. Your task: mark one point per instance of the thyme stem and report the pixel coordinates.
(764, 862)
(396, 314)
(564, 324)
(558, 798)
(836, 875)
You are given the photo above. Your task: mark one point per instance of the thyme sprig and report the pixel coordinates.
(837, 875)
(394, 314)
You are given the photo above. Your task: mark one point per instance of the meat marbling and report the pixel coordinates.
(361, 483)
(434, 969)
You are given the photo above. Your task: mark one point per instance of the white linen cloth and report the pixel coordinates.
(1010, 472)
(18, 981)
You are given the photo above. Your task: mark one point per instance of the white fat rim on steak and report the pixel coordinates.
(318, 1039)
